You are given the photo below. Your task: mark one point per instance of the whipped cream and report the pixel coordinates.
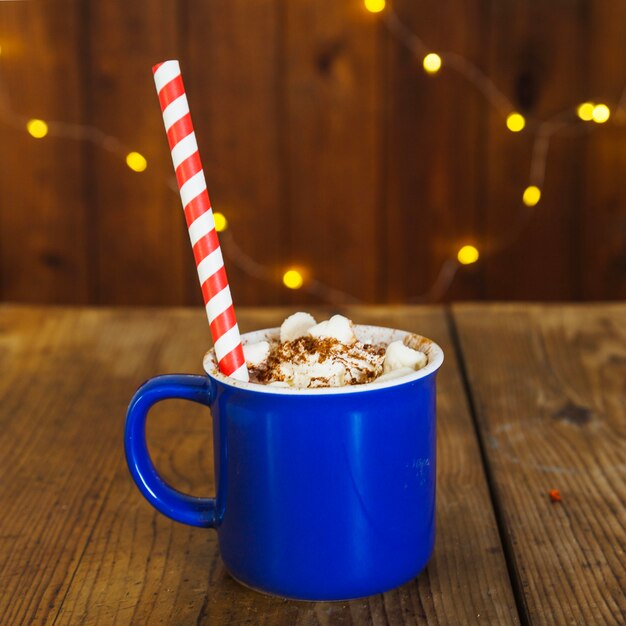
(327, 354)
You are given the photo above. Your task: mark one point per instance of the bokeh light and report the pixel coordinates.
(37, 128)
(515, 122)
(374, 6)
(600, 113)
(467, 255)
(532, 195)
(221, 223)
(432, 63)
(137, 162)
(585, 111)
(293, 279)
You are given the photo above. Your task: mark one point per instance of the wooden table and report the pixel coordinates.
(531, 398)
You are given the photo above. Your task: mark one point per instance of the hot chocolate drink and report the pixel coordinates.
(307, 354)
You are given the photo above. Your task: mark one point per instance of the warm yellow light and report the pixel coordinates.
(37, 128)
(515, 122)
(585, 111)
(137, 162)
(293, 279)
(467, 255)
(432, 63)
(532, 195)
(373, 6)
(600, 113)
(221, 223)
(0, 50)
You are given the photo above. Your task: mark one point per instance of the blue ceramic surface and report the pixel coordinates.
(320, 496)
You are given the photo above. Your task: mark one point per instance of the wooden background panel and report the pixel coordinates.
(535, 54)
(324, 143)
(434, 150)
(602, 260)
(233, 74)
(43, 245)
(332, 125)
(139, 238)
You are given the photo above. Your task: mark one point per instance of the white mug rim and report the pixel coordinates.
(435, 359)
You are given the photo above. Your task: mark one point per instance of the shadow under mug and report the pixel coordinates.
(322, 494)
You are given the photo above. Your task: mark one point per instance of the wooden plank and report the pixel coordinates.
(43, 238)
(138, 567)
(542, 77)
(140, 241)
(65, 383)
(548, 389)
(332, 120)
(233, 73)
(433, 185)
(602, 258)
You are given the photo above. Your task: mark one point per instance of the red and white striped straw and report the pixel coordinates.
(199, 216)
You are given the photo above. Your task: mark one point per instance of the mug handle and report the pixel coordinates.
(176, 505)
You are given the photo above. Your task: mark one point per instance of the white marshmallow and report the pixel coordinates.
(398, 356)
(296, 325)
(256, 353)
(337, 327)
(402, 371)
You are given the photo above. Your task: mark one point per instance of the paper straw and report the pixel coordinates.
(199, 216)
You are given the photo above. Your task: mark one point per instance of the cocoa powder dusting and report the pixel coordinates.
(362, 362)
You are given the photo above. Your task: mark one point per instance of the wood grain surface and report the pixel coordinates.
(547, 387)
(80, 545)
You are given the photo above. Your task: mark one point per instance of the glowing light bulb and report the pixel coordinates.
(37, 128)
(532, 195)
(432, 63)
(467, 255)
(585, 111)
(515, 122)
(137, 162)
(373, 6)
(221, 223)
(600, 113)
(293, 279)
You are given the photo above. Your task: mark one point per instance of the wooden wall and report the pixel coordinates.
(323, 142)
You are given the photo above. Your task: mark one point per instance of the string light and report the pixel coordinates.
(37, 128)
(137, 162)
(600, 113)
(432, 63)
(221, 223)
(532, 195)
(515, 122)
(467, 255)
(585, 111)
(292, 279)
(375, 6)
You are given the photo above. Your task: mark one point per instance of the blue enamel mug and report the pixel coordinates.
(322, 494)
